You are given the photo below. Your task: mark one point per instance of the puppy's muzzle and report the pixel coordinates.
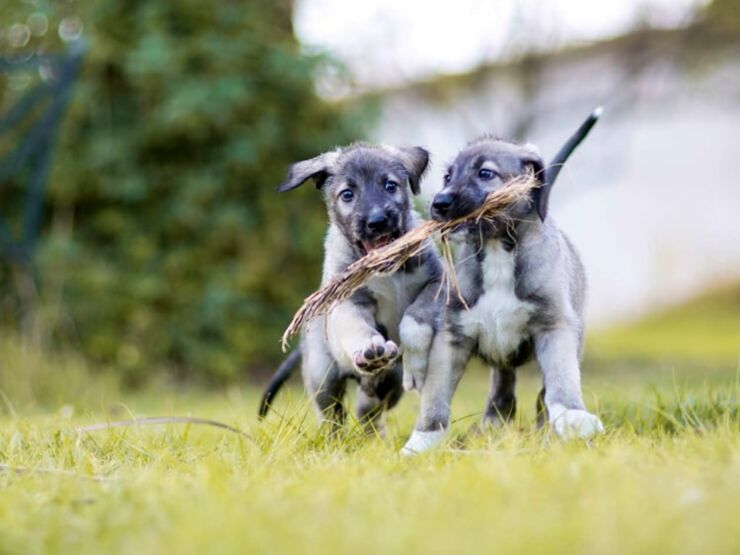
(451, 203)
(379, 229)
(442, 205)
(377, 223)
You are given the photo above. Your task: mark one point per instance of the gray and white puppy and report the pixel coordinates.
(366, 190)
(523, 286)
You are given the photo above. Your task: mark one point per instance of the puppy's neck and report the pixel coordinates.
(339, 250)
(529, 226)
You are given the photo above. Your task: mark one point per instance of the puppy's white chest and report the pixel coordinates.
(392, 295)
(499, 318)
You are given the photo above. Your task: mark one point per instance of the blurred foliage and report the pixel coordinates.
(31, 380)
(723, 16)
(164, 244)
(704, 330)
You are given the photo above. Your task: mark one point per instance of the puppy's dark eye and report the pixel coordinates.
(486, 174)
(447, 178)
(347, 195)
(390, 186)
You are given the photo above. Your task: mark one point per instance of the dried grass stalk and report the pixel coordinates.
(391, 258)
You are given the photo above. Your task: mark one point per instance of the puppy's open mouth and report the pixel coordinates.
(368, 245)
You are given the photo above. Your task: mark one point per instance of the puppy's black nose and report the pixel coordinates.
(377, 222)
(442, 203)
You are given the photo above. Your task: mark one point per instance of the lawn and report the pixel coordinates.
(665, 478)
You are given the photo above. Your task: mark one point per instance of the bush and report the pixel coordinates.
(163, 235)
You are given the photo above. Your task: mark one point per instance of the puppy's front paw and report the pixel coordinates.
(378, 355)
(573, 423)
(414, 372)
(412, 381)
(423, 441)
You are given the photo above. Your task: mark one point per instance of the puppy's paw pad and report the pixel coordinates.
(572, 424)
(379, 354)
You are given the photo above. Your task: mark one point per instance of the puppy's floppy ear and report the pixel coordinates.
(317, 168)
(541, 194)
(416, 161)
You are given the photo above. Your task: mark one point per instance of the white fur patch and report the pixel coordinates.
(574, 423)
(393, 294)
(392, 299)
(415, 335)
(422, 441)
(499, 318)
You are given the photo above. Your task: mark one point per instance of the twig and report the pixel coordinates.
(121, 424)
(161, 420)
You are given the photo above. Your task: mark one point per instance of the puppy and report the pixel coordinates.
(523, 288)
(366, 190)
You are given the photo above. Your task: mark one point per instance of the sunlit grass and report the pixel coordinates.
(665, 478)
(31, 378)
(706, 330)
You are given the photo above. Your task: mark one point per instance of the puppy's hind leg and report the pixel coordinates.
(327, 394)
(324, 384)
(376, 395)
(501, 406)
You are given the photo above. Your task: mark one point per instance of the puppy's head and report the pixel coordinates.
(366, 189)
(483, 166)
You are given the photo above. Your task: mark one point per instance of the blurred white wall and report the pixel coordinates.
(387, 42)
(652, 198)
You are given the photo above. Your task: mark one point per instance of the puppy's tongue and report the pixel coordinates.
(371, 245)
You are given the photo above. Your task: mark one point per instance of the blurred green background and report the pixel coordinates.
(165, 251)
(164, 245)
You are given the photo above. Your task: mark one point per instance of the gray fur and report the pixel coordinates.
(524, 287)
(395, 315)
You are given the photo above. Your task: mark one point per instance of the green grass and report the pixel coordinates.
(706, 330)
(665, 478)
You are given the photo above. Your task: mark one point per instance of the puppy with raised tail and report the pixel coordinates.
(367, 193)
(523, 288)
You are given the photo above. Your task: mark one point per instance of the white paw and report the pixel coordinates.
(423, 441)
(573, 423)
(416, 338)
(411, 379)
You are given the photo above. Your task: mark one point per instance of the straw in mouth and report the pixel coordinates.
(388, 255)
(368, 245)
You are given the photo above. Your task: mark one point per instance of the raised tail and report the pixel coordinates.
(553, 169)
(280, 376)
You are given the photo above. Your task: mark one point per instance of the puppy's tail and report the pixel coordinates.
(280, 376)
(553, 169)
